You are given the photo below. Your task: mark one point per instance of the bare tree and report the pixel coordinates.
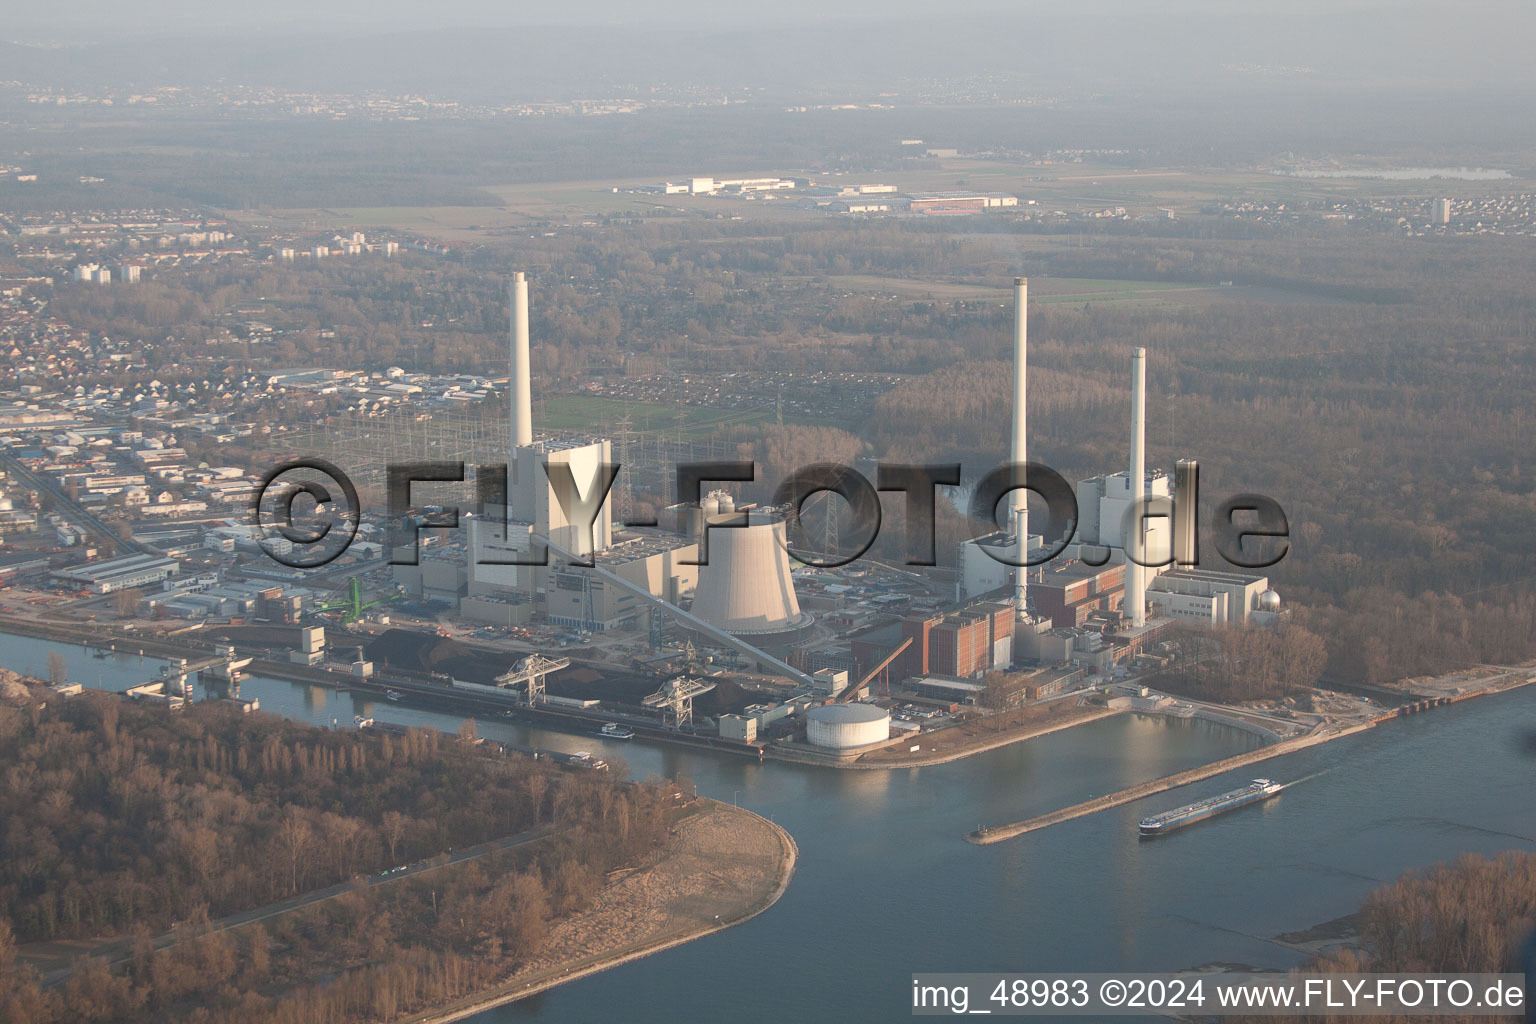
(341, 836)
(126, 602)
(58, 671)
(395, 825)
(295, 837)
(561, 802)
(530, 911)
(538, 784)
(7, 946)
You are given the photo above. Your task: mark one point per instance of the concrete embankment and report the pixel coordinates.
(90, 635)
(927, 758)
(998, 833)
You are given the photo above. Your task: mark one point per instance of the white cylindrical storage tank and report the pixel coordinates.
(710, 506)
(747, 587)
(725, 501)
(844, 726)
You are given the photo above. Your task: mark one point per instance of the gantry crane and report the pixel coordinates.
(675, 698)
(533, 670)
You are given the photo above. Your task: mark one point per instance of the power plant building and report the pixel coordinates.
(1103, 502)
(1069, 594)
(495, 545)
(1214, 598)
(961, 643)
(551, 488)
(549, 500)
(536, 495)
(576, 596)
(982, 566)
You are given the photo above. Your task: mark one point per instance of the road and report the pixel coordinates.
(67, 507)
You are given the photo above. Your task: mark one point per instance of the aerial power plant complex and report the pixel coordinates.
(748, 649)
(1091, 603)
(593, 518)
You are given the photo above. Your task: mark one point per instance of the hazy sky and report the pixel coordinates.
(96, 19)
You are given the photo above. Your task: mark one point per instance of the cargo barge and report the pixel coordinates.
(1256, 791)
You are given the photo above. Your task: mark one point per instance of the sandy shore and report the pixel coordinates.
(725, 865)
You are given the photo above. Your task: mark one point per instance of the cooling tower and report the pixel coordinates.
(746, 587)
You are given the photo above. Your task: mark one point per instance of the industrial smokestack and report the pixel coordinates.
(1018, 453)
(520, 387)
(1136, 575)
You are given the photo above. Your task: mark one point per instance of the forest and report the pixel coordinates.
(1471, 916)
(123, 821)
(1243, 662)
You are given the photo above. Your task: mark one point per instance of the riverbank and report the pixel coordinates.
(945, 753)
(103, 638)
(941, 747)
(724, 866)
(936, 748)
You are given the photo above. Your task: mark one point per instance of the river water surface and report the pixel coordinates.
(885, 885)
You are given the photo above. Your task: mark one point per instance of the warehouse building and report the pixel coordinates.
(960, 202)
(116, 574)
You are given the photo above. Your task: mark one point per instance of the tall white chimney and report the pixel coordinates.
(1018, 452)
(1136, 575)
(520, 386)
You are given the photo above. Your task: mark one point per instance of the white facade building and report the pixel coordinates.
(1214, 598)
(980, 572)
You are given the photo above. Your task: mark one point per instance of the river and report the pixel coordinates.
(885, 885)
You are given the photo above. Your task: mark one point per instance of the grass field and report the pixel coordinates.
(1082, 290)
(1059, 290)
(1070, 187)
(442, 223)
(916, 289)
(599, 415)
(570, 199)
